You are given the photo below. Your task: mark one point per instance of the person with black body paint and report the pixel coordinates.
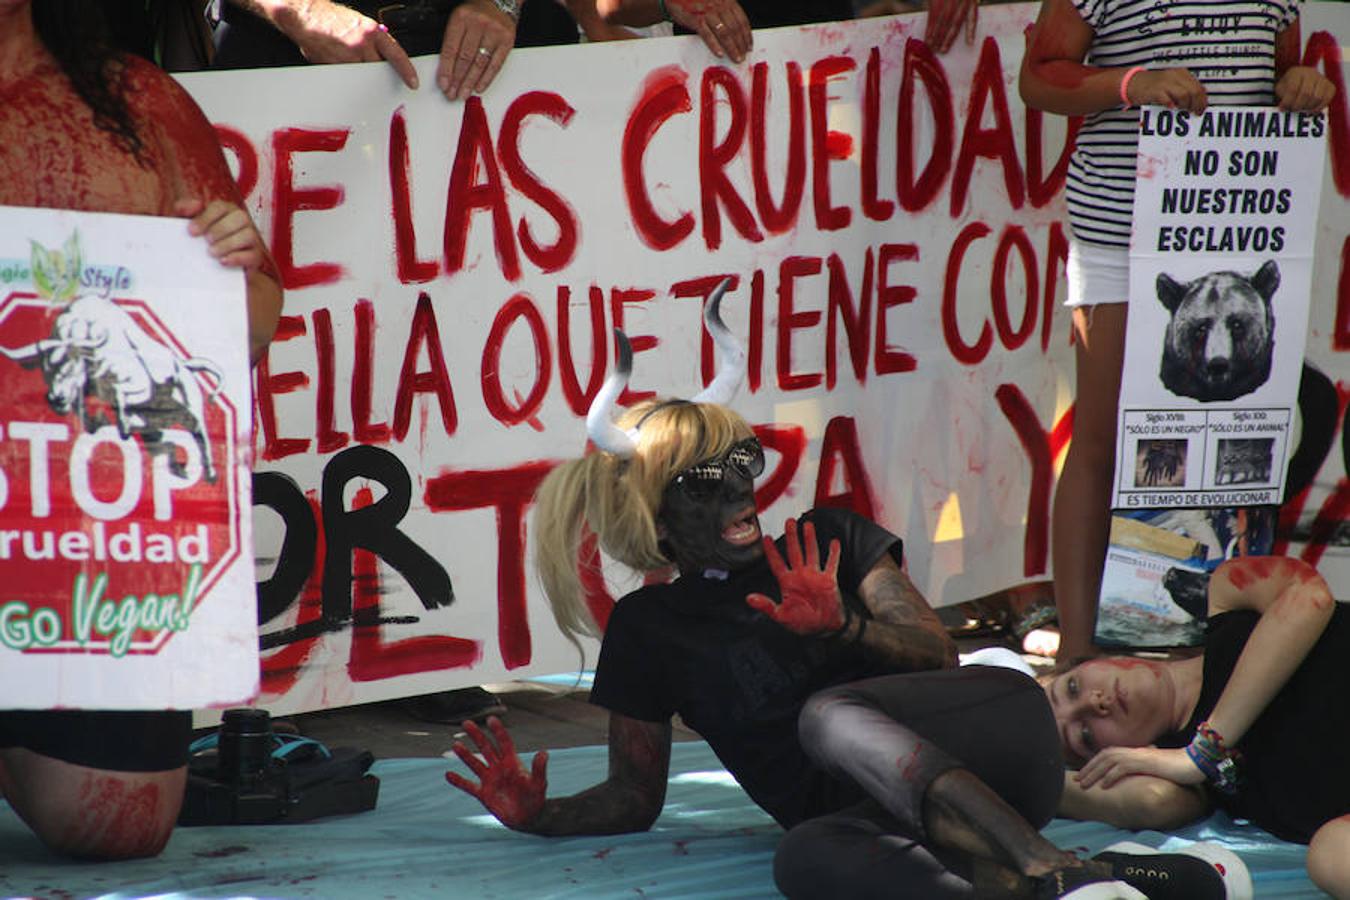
(812, 665)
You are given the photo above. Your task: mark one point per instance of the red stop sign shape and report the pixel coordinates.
(119, 501)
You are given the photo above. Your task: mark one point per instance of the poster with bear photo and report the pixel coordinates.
(1225, 215)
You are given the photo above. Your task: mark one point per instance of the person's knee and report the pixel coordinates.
(814, 722)
(100, 815)
(1329, 857)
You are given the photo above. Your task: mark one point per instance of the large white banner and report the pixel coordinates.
(125, 533)
(893, 223)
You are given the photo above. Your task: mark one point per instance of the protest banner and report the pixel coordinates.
(1221, 267)
(125, 526)
(893, 222)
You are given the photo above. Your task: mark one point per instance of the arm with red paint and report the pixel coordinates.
(1298, 88)
(1055, 79)
(629, 800)
(901, 630)
(1295, 605)
(198, 180)
(722, 24)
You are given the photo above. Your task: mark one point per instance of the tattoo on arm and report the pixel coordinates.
(904, 631)
(631, 798)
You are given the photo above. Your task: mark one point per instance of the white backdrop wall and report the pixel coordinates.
(894, 222)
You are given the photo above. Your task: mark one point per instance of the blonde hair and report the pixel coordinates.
(618, 498)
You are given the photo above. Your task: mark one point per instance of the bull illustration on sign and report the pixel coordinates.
(1221, 336)
(97, 350)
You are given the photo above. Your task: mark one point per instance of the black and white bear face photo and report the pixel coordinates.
(1221, 336)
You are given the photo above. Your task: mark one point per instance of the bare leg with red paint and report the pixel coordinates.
(91, 813)
(1081, 519)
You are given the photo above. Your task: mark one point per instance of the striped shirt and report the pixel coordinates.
(1228, 45)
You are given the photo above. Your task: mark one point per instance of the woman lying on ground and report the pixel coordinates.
(1256, 726)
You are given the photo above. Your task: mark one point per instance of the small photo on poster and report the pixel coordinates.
(1244, 461)
(1160, 463)
(1155, 585)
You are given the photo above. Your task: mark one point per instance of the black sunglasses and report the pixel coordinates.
(704, 480)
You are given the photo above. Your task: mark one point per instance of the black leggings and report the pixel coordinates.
(892, 737)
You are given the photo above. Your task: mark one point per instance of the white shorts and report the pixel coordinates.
(1097, 274)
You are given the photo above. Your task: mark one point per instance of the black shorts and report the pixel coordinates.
(114, 741)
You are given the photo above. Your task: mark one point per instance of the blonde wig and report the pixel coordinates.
(618, 498)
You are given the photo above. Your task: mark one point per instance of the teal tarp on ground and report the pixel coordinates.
(426, 839)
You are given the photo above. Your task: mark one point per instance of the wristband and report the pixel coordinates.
(1125, 83)
(510, 7)
(1212, 757)
(665, 13)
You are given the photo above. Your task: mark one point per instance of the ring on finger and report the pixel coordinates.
(485, 51)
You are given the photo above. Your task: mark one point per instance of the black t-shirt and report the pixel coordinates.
(738, 678)
(1293, 772)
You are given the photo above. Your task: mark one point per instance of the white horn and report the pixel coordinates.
(732, 371)
(27, 354)
(600, 425)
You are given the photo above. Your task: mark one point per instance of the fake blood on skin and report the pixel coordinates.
(54, 156)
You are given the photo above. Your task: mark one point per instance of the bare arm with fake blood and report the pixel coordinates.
(1055, 79)
(629, 800)
(901, 632)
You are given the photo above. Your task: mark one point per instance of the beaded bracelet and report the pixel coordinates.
(1212, 757)
(1125, 83)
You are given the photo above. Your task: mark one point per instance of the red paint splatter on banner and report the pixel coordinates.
(509, 492)
(824, 142)
(548, 257)
(665, 93)
(287, 200)
(715, 188)
(519, 307)
(411, 269)
(778, 217)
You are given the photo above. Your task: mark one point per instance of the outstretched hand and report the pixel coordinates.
(513, 795)
(1114, 763)
(811, 601)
